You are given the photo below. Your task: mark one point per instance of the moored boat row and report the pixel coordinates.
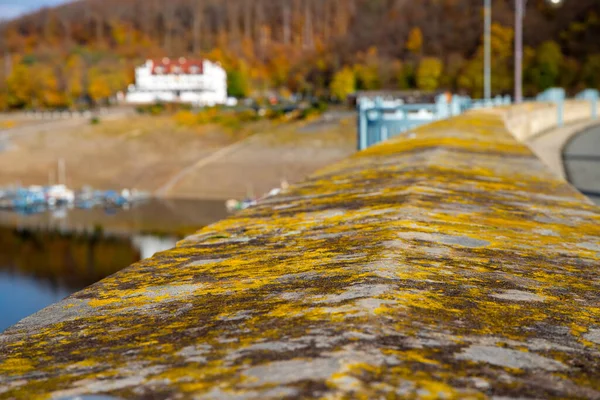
(40, 198)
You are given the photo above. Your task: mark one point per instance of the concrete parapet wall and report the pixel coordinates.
(530, 119)
(445, 263)
(577, 110)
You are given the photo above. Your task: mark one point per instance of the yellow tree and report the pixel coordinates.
(75, 77)
(429, 73)
(20, 86)
(343, 84)
(3, 98)
(117, 78)
(472, 76)
(119, 32)
(547, 69)
(397, 70)
(237, 82)
(48, 90)
(414, 43)
(98, 85)
(502, 52)
(279, 67)
(367, 72)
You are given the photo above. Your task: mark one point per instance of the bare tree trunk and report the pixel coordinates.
(198, 15)
(96, 14)
(247, 19)
(88, 19)
(7, 64)
(326, 20)
(232, 15)
(169, 20)
(308, 26)
(287, 23)
(99, 24)
(259, 23)
(66, 29)
(47, 25)
(129, 16)
(147, 17)
(345, 10)
(3, 46)
(206, 40)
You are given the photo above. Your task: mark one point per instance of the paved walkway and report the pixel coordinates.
(549, 145)
(573, 154)
(581, 157)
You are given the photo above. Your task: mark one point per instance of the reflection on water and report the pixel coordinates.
(174, 217)
(22, 295)
(149, 245)
(44, 259)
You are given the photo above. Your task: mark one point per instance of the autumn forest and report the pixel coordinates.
(85, 52)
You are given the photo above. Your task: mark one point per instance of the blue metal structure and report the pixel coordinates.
(380, 120)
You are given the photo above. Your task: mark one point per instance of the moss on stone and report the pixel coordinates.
(448, 263)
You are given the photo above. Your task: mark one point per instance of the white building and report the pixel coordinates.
(197, 82)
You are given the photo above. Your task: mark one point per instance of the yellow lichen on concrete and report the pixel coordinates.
(445, 263)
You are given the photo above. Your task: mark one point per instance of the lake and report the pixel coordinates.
(46, 257)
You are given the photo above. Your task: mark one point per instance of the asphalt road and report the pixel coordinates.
(581, 157)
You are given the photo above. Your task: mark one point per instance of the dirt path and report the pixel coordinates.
(165, 190)
(549, 145)
(262, 161)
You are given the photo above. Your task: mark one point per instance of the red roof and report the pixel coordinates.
(180, 66)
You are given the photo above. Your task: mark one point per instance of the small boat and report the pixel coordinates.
(233, 205)
(36, 199)
(57, 195)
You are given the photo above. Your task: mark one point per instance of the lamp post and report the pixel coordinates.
(487, 68)
(519, 14)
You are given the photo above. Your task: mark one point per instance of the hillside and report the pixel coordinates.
(87, 49)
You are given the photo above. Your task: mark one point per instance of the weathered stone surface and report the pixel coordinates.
(448, 263)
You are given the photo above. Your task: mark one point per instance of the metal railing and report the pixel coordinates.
(380, 120)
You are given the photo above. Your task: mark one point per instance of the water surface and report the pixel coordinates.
(46, 257)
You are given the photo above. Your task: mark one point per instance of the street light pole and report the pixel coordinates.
(519, 14)
(487, 73)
